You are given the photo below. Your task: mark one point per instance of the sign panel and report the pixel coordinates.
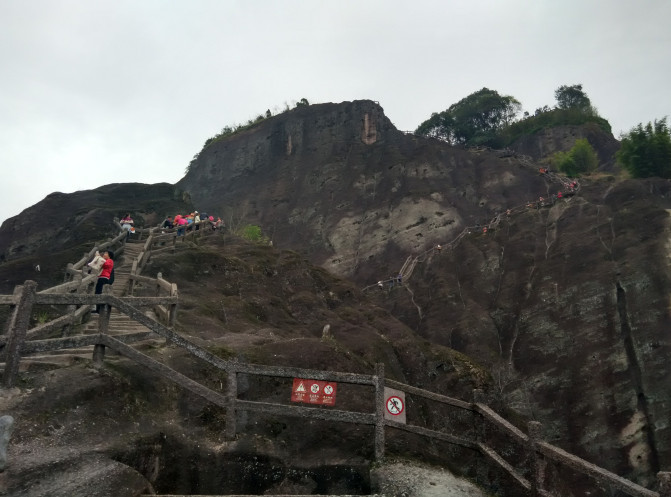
(313, 392)
(394, 405)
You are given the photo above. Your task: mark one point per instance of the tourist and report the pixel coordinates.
(106, 276)
(167, 224)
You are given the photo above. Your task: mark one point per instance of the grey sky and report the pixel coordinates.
(95, 92)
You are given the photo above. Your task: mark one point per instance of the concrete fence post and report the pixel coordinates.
(172, 317)
(664, 479)
(538, 462)
(131, 280)
(72, 308)
(480, 430)
(18, 326)
(231, 398)
(103, 327)
(379, 411)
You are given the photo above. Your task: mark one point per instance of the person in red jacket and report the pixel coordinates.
(106, 276)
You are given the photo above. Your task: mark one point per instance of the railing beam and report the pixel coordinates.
(231, 401)
(534, 428)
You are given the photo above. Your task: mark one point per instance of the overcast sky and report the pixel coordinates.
(95, 92)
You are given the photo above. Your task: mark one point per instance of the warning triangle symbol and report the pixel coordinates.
(300, 387)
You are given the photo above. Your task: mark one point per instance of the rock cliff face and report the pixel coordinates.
(567, 303)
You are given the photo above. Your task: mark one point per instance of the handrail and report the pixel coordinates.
(594, 471)
(81, 262)
(232, 403)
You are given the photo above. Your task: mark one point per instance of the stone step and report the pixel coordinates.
(113, 330)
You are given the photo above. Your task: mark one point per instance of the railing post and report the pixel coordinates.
(131, 281)
(664, 479)
(480, 430)
(72, 308)
(538, 462)
(18, 327)
(379, 411)
(103, 327)
(231, 397)
(172, 317)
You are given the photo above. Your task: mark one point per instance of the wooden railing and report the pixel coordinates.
(20, 341)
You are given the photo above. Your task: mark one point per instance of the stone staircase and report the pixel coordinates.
(119, 323)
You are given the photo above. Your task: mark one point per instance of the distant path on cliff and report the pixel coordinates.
(569, 188)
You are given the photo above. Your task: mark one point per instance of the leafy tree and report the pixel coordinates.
(580, 159)
(572, 97)
(302, 101)
(473, 120)
(646, 151)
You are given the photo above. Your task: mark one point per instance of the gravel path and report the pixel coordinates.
(410, 480)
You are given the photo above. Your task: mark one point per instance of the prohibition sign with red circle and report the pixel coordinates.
(395, 405)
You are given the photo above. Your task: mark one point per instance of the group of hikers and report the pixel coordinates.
(184, 222)
(103, 264)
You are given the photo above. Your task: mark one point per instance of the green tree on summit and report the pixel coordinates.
(473, 120)
(572, 97)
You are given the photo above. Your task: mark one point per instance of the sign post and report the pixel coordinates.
(394, 405)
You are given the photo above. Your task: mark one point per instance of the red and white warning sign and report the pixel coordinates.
(313, 392)
(394, 405)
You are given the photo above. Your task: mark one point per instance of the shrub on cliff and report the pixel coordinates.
(580, 159)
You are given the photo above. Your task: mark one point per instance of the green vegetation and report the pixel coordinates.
(646, 151)
(547, 118)
(487, 118)
(473, 120)
(253, 233)
(572, 97)
(579, 160)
